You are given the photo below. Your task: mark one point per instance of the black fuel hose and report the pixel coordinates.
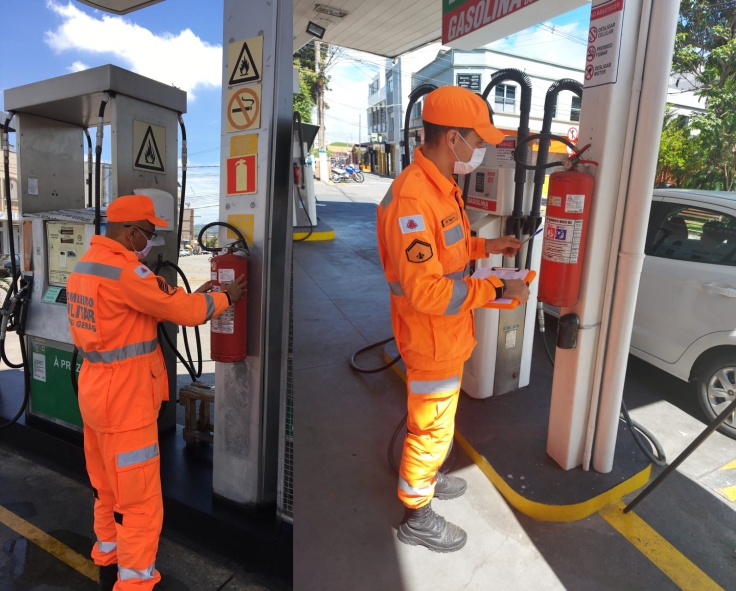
(14, 272)
(302, 166)
(89, 167)
(21, 313)
(306, 211)
(359, 369)
(636, 429)
(414, 97)
(183, 179)
(98, 156)
(73, 373)
(187, 362)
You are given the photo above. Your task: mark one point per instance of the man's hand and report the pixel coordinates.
(508, 245)
(236, 289)
(204, 288)
(516, 288)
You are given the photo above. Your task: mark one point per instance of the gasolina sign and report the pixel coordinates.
(467, 24)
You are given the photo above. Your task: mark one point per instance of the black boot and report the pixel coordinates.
(423, 527)
(448, 487)
(108, 577)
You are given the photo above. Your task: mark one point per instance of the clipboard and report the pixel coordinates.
(505, 273)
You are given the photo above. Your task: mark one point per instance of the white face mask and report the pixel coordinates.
(142, 254)
(475, 160)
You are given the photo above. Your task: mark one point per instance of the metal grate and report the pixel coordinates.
(287, 502)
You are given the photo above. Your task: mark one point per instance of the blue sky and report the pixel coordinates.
(179, 42)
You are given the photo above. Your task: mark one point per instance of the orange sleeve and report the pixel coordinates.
(150, 294)
(477, 248)
(409, 233)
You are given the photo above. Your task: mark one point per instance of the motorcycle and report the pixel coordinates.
(346, 174)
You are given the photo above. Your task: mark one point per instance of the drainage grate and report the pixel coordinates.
(287, 500)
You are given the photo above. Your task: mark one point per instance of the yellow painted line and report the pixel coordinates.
(316, 236)
(556, 513)
(543, 511)
(659, 551)
(730, 466)
(729, 492)
(53, 546)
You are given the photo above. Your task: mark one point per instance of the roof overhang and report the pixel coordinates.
(119, 6)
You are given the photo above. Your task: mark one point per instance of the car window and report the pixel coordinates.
(696, 234)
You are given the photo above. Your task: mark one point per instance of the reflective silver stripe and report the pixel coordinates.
(434, 386)
(417, 492)
(389, 197)
(126, 574)
(459, 293)
(120, 354)
(453, 235)
(98, 270)
(137, 456)
(396, 288)
(210, 306)
(455, 275)
(466, 271)
(106, 547)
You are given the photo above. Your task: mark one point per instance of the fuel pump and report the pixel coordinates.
(305, 200)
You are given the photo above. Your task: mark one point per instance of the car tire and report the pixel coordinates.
(710, 383)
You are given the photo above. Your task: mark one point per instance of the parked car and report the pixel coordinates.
(5, 266)
(685, 319)
(184, 252)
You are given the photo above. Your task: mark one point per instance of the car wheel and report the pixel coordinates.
(717, 389)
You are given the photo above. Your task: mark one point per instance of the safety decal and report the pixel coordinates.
(451, 220)
(165, 287)
(142, 271)
(419, 252)
(411, 223)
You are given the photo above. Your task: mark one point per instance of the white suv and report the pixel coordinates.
(685, 322)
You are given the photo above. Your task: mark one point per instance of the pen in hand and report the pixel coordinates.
(532, 236)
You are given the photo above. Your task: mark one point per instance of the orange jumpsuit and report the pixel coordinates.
(425, 247)
(114, 303)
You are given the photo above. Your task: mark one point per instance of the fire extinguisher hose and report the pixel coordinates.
(240, 244)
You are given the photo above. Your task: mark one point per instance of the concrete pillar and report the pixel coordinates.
(249, 394)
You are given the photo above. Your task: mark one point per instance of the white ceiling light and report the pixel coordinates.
(328, 10)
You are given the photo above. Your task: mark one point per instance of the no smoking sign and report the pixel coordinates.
(244, 108)
(591, 53)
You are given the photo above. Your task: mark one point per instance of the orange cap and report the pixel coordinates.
(134, 208)
(452, 106)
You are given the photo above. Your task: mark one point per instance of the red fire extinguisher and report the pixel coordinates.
(228, 334)
(566, 226)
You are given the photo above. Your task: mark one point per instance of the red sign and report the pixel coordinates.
(484, 204)
(242, 174)
(507, 144)
(605, 10)
(472, 15)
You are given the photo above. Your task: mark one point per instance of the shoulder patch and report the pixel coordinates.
(165, 287)
(411, 223)
(419, 252)
(451, 220)
(142, 271)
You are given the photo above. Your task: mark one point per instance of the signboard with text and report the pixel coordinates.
(469, 24)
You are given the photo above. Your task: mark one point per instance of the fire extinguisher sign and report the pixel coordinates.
(242, 174)
(562, 240)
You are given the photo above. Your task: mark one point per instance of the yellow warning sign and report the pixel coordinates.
(243, 222)
(244, 108)
(149, 147)
(245, 61)
(243, 145)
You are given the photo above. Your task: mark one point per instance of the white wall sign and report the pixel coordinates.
(604, 43)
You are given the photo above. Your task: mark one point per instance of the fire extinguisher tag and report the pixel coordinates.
(575, 204)
(226, 275)
(555, 201)
(562, 240)
(213, 276)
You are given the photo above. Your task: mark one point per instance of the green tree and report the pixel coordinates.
(700, 153)
(304, 101)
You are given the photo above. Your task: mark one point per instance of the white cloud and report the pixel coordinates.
(78, 66)
(183, 60)
(561, 44)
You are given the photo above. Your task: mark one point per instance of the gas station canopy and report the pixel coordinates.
(119, 6)
(383, 27)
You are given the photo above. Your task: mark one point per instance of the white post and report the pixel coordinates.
(631, 256)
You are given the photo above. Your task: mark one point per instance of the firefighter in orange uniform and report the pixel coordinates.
(425, 246)
(114, 303)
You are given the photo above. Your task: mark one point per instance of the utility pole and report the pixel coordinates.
(360, 135)
(320, 94)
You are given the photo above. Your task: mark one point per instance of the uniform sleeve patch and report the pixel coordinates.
(451, 220)
(411, 223)
(165, 287)
(142, 271)
(419, 252)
